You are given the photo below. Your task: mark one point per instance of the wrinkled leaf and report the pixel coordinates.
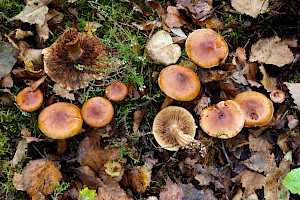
(7, 58)
(251, 7)
(173, 19)
(294, 89)
(87, 176)
(268, 82)
(20, 152)
(137, 118)
(191, 193)
(147, 26)
(171, 191)
(201, 104)
(261, 161)
(58, 90)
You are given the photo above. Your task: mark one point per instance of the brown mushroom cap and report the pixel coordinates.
(60, 120)
(223, 120)
(257, 108)
(116, 91)
(28, 100)
(71, 49)
(172, 126)
(206, 48)
(179, 82)
(277, 96)
(97, 112)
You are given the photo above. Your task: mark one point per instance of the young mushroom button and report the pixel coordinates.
(29, 100)
(179, 82)
(257, 108)
(174, 127)
(223, 120)
(206, 48)
(116, 91)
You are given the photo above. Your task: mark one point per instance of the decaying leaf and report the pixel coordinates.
(173, 19)
(87, 176)
(162, 50)
(7, 81)
(20, 152)
(251, 7)
(57, 89)
(147, 26)
(294, 89)
(7, 58)
(33, 55)
(140, 178)
(271, 51)
(268, 82)
(20, 34)
(21, 73)
(191, 193)
(202, 103)
(198, 9)
(34, 12)
(137, 118)
(251, 181)
(260, 143)
(113, 168)
(210, 75)
(38, 176)
(7, 98)
(171, 191)
(261, 161)
(212, 23)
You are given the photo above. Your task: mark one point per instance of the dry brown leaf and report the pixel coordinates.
(210, 75)
(171, 191)
(140, 178)
(173, 19)
(58, 90)
(87, 176)
(251, 181)
(20, 34)
(201, 104)
(34, 12)
(271, 51)
(191, 193)
(7, 98)
(161, 49)
(293, 122)
(38, 176)
(34, 55)
(25, 74)
(198, 9)
(8, 55)
(261, 161)
(147, 26)
(20, 152)
(137, 118)
(260, 143)
(238, 141)
(273, 187)
(212, 23)
(37, 83)
(291, 42)
(294, 89)
(282, 142)
(268, 82)
(7, 81)
(251, 7)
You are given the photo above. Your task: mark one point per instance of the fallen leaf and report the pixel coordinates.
(260, 143)
(137, 118)
(181, 35)
(268, 82)
(162, 50)
(58, 90)
(7, 58)
(191, 193)
(20, 152)
(251, 7)
(210, 75)
(282, 142)
(133, 93)
(20, 34)
(212, 23)
(38, 176)
(91, 27)
(271, 51)
(37, 83)
(201, 104)
(293, 122)
(173, 19)
(113, 168)
(171, 191)
(33, 55)
(291, 42)
(147, 26)
(34, 12)
(140, 178)
(294, 89)
(7, 98)
(87, 176)
(7, 81)
(198, 9)
(251, 181)
(25, 74)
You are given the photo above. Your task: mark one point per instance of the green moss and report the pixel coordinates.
(10, 8)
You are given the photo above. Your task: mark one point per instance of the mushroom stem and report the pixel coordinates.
(167, 102)
(71, 42)
(61, 146)
(182, 139)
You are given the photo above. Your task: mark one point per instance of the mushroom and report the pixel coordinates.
(60, 121)
(257, 108)
(29, 100)
(223, 120)
(116, 91)
(277, 96)
(179, 82)
(97, 112)
(174, 127)
(72, 61)
(206, 48)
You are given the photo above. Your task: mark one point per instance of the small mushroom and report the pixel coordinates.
(174, 127)
(116, 91)
(277, 96)
(72, 61)
(29, 100)
(179, 82)
(223, 120)
(206, 48)
(257, 108)
(97, 112)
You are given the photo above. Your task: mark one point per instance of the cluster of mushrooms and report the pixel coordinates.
(175, 127)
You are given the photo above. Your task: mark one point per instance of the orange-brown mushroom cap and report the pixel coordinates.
(257, 108)
(223, 120)
(28, 100)
(116, 91)
(206, 48)
(63, 59)
(179, 82)
(60, 120)
(97, 112)
(172, 126)
(277, 96)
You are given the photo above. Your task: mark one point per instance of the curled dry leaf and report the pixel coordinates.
(33, 55)
(138, 116)
(294, 89)
(210, 75)
(140, 178)
(212, 23)
(271, 51)
(162, 50)
(171, 191)
(20, 34)
(57, 89)
(251, 7)
(198, 9)
(87, 176)
(147, 26)
(25, 74)
(268, 82)
(173, 19)
(7, 58)
(38, 176)
(202, 103)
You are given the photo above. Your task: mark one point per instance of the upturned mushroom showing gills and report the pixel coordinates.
(97, 112)
(174, 127)
(116, 91)
(223, 120)
(277, 96)
(60, 120)
(73, 60)
(29, 100)
(206, 48)
(257, 108)
(179, 82)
